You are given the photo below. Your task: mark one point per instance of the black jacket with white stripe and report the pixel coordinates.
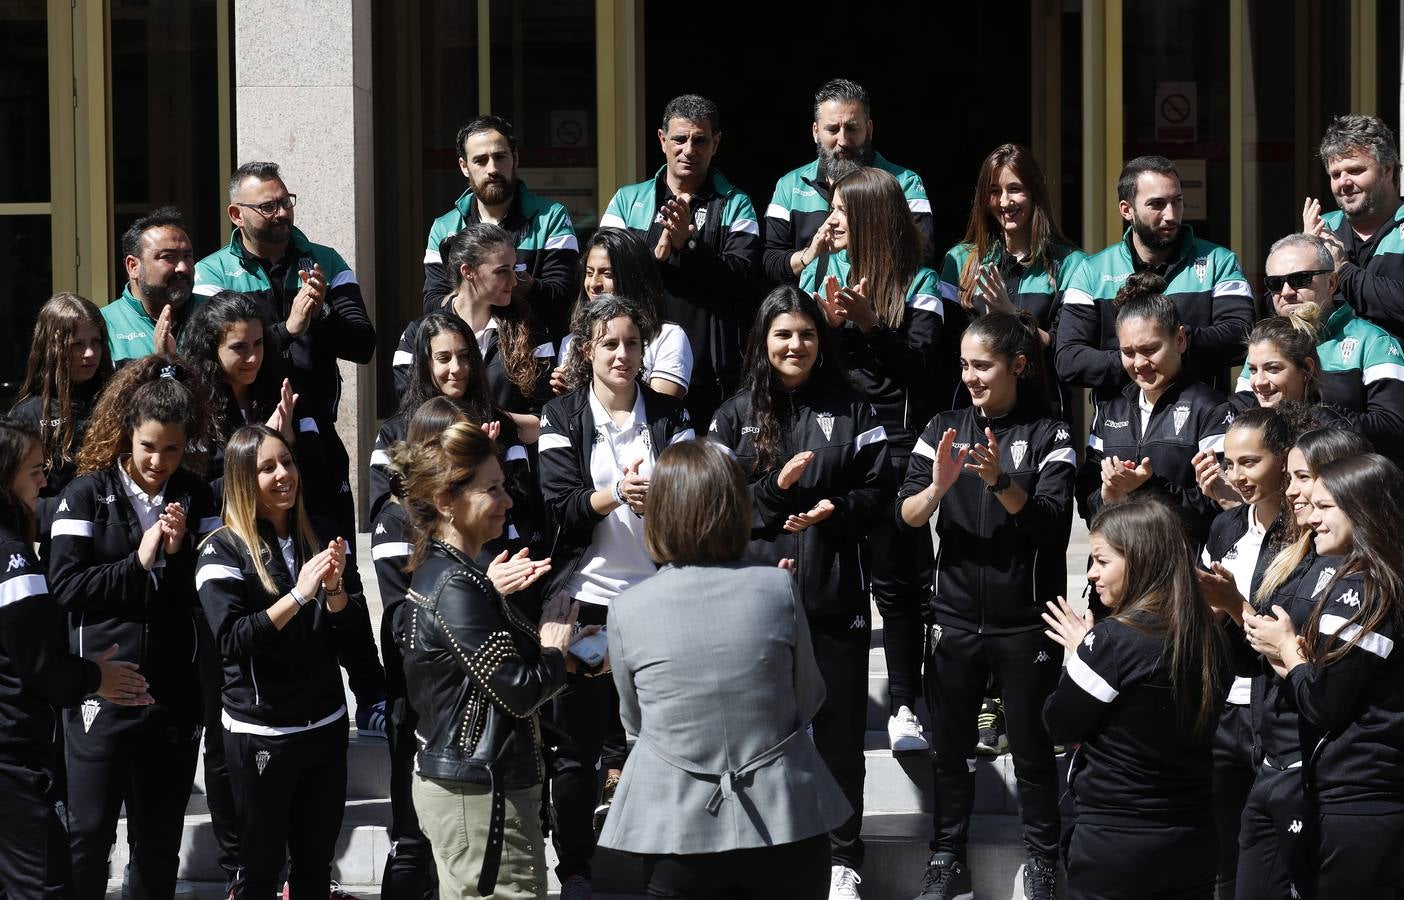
(1139, 757)
(273, 679)
(849, 469)
(505, 392)
(391, 546)
(1188, 417)
(110, 599)
(37, 673)
(995, 571)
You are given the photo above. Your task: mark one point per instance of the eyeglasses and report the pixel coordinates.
(1297, 280)
(269, 207)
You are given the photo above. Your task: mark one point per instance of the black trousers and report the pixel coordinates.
(799, 870)
(900, 560)
(587, 712)
(34, 856)
(1137, 859)
(290, 793)
(841, 645)
(1357, 855)
(141, 757)
(1026, 665)
(1233, 779)
(1272, 832)
(219, 793)
(409, 867)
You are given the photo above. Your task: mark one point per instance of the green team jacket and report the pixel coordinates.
(1372, 280)
(546, 247)
(1206, 285)
(710, 291)
(343, 331)
(1362, 376)
(131, 333)
(801, 204)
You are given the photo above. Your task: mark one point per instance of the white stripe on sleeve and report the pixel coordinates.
(1381, 371)
(544, 351)
(919, 205)
(206, 290)
(432, 257)
(21, 588)
(390, 550)
(922, 448)
(1076, 297)
(776, 211)
(563, 242)
(1094, 442)
(216, 572)
(610, 220)
(874, 435)
(1369, 641)
(1083, 676)
(1062, 454)
(1234, 287)
(552, 441)
(747, 225)
(929, 302)
(401, 358)
(516, 451)
(71, 528)
(687, 434)
(308, 424)
(1213, 443)
(379, 458)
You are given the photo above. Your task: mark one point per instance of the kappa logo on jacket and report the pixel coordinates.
(825, 420)
(380, 529)
(1232, 553)
(1062, 435)
(1017, 451)
(1348, 349)
(1113, 423)
(545, 422)
(1042, 657)
(1351, 598)
(261, 760)
(89, 711)
(63, 505)
(1322, 580)
(859, 621)
(1394, 348)
(209, 550)
(16, 562)
(1295, 828)
(1089, 640)
(1181, 416)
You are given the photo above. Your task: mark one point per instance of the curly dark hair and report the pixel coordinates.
(162, 387)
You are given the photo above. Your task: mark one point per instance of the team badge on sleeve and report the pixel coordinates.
(1181, 416)
(89, 711)
(1017, 451)
(825, 421)
(1322, 580)
(1348, 349)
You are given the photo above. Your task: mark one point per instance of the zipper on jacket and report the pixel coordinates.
(254, 678)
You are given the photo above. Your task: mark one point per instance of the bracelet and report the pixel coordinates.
(619, 493)
(332, 591)
(300, 600)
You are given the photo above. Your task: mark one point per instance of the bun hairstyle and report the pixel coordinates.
(16, 439)
(162, 388)
(1295, 336)
(1142, 296)
(432, 418)
(1012, 335)
(46, 374)
(440, 465)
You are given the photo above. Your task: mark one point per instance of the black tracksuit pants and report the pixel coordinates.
(219, 793)
(409, 868)
(34, 855)
(1026, 665)
(841, 644)
(143, 757)
(900, 560)
(290, 793)
(1111, 858)
(1270, 834)
(1234, 771)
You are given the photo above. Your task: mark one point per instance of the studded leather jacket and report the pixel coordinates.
(476, 673)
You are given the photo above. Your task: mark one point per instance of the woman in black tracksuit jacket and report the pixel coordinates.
(517, 350)
(816, 455)
(121, 564)
(1140, 696)
(271, 587)
(1005, 500)
(37, 675)
(1242, 541)
(1145, 440)
(68, 366)
(591, 439)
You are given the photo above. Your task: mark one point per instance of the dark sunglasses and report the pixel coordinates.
(1297, 280)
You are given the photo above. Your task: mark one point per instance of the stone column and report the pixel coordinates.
(302, 90)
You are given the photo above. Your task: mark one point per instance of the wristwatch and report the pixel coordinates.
(1000, 485)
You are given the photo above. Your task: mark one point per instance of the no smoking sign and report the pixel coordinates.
(1176, 111)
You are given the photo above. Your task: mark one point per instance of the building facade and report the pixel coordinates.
(113, 107)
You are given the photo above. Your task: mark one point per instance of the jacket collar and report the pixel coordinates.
(468, 208)
(714, 185)
(1184, 249)
(298, 243)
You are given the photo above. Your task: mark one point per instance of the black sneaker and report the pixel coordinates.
(989, 724)
(1040, 878)
(946, 878)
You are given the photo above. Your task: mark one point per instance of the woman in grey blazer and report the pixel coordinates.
(724, 794)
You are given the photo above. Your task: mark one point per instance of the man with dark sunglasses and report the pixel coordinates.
(1362, 365)
(1366, 233)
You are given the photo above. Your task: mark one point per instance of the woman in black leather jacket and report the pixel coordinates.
(478, 672)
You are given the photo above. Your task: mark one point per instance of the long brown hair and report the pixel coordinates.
(47, 374)
(241, 499)
(1295, 336)
(884, 243)
(161, 387)
(982, 232)
(515, 321)
(1161, 593)
(1366, 488)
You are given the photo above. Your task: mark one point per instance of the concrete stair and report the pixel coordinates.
(897, 816)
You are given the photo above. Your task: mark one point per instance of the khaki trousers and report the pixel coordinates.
(454, 816)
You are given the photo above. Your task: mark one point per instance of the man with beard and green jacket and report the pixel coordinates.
(160, 264)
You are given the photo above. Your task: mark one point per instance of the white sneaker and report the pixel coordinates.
(843, 883)
(904, 732)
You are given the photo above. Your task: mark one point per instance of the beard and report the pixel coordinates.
(495, 191)
(173, 293)
(272, 232)
(834, 168)
(1152, 239)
